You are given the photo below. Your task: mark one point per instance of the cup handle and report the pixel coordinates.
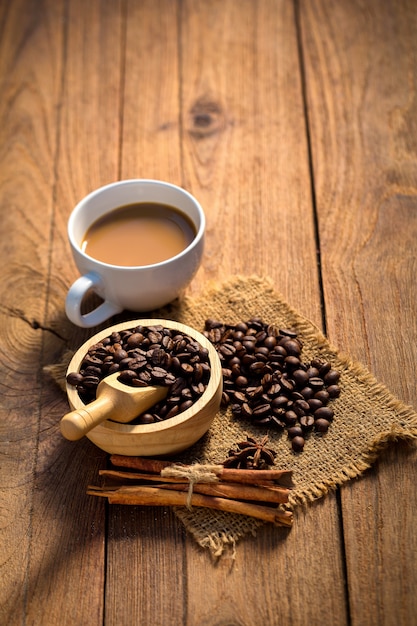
(75, 297)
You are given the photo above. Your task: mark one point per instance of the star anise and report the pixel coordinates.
(251, 454)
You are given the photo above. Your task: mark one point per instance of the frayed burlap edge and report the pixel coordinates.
(240, 298)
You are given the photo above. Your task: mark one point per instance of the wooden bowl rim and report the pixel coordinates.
(165, 425)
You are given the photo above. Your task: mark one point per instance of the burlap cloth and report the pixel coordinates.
(367, 415)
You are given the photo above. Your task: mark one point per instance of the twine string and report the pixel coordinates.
(196, 473)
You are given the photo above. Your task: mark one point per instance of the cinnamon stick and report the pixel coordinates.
(144, 477)
(235, 491)
(154, 466)
(259, 477)
(154, 496)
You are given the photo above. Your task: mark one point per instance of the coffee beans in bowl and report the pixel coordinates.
(151, 352)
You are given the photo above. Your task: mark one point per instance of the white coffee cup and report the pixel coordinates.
(140, 288)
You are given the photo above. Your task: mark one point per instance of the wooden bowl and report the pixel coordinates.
(162, 438)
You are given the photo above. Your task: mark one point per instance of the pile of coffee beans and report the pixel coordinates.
(152, 355)
(266, 381)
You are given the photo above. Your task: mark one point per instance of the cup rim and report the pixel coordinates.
(146, 181)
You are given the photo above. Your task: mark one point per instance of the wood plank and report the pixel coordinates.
(361, 78)
(67, 559)
(151, 105)
(30, 70)
(145, 576)
(245, 157)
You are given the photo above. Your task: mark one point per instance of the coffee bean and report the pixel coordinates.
(332, 377)
(173, 411)
(145, 376)
(146, 418)
(291, 418)
(225, 400)
(92, 370)
(279, 402)
(314, 404)
(286, 385)
(227, 350)
(264, 422)
(313, 372)
(261, 410)
(248, 359)
(236, 370)
(187, 369)
(322, 395)
(257, 368)
(307, 393)
(127, 376)
(270, 342)
(307, 422)
(74, 379)
(239, 397)
(324, 412)
(300, 378)
(333, 391)
(137, 382)
(292, 362)
(287, 332)
(246, 410)
(298, 444)
(187, 404)
(137, 363)
(198, 389)
(276, 422)
(316, 383)
(198, 373)
(159, 374)
(292, 347)
(324, 368)
(91, 381)
(249, 344)
(295, 431)
(186, 393)
(119, 355)
(301, 407)
(321, 425)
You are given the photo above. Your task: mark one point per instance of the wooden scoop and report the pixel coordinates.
(115, 401)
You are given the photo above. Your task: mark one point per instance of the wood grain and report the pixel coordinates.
(361, 77)
(30, 82)
(245, 154)
(151, 92)
(249, 167)
(145, 547)
(67, 558)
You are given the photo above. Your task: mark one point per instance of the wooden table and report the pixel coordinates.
(294, 124)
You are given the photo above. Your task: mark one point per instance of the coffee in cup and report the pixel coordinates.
(143, 233)
(137, 244)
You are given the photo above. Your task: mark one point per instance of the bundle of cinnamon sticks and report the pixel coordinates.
(153, 482)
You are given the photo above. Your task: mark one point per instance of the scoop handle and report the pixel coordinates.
(76, 424)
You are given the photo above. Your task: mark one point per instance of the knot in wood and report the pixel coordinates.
(206, 118)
